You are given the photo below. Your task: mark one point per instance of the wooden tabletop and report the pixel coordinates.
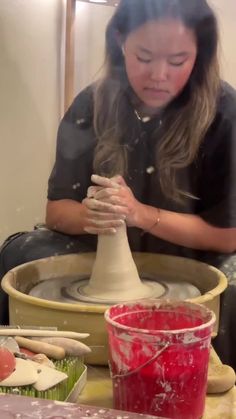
(27, 407)
(98, 392)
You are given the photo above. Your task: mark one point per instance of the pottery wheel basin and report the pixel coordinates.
(62, 309)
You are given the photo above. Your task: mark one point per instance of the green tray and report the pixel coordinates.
(72, 366)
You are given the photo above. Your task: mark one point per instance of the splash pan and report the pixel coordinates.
(72, 290)
(44, 292)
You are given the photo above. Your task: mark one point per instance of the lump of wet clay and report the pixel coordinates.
(221, 378)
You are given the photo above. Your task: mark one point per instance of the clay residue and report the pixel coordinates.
(15, 407)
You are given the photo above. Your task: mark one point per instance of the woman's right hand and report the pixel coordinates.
(100, 216)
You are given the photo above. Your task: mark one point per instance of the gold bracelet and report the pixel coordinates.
(157, 222)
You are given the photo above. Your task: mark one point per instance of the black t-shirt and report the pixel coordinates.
(211, 177)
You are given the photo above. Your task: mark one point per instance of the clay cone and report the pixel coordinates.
(114, 275)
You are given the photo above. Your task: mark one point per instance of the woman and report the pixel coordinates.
(159, 132)
(162, 67)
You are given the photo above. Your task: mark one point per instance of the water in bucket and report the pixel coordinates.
(159, 354)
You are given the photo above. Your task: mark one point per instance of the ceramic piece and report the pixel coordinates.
(47, 376)
(25, 374)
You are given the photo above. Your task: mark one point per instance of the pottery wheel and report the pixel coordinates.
(71, 290)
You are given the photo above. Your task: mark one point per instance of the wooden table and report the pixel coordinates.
(98, 392)
(96, 401)
(12, 407)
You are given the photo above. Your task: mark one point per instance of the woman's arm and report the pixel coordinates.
(182, 229)
(185, 230)
(72, 217)
(66, 216)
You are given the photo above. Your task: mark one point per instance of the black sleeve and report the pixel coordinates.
(72, 170)
(218, 189)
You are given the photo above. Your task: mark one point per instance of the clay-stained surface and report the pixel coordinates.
(221, 406)
(98, 392)
(18, 407)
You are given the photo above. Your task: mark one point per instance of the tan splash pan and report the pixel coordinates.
(84, 317)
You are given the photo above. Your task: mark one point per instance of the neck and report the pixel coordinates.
(147, 111)
(143, 111)
(145, 114)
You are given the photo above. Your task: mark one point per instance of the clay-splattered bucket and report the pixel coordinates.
(159, 354)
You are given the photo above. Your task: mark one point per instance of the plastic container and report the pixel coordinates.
(159, 354)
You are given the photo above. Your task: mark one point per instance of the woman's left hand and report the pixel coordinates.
(116, 192)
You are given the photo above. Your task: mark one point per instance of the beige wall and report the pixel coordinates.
(226, 13)
(92, 20)
(30, 43)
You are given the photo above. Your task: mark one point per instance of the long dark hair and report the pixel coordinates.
(182, 132)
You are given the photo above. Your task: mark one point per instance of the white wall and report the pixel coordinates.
(91, 22)
(226, 13)
(30, 44)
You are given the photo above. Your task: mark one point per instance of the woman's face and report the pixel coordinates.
(159, 59)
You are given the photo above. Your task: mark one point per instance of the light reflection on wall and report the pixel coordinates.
(91, 20)
(226, 13)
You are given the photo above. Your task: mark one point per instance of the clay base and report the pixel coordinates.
(73, 290)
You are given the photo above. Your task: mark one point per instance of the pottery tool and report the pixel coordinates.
(15, 331)
(72, 347)
(47, 377)
(72, 367)
(39, 358)
(53, 351)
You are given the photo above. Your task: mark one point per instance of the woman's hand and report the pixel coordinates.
(115, 197)
(101, 217)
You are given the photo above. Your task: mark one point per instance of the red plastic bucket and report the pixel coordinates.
(159, 354)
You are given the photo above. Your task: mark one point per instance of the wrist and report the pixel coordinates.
(156, 221)
(148, 218)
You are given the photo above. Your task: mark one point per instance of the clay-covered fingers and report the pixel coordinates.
(97, 231)
(104, 216)
(95, 204)
(92, 190)
(106, 182)
(105, 223)
(110, 195)
(106, 226)
(119, 179)
(104, 220)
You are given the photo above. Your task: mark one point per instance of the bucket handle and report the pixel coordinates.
(113, 376)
